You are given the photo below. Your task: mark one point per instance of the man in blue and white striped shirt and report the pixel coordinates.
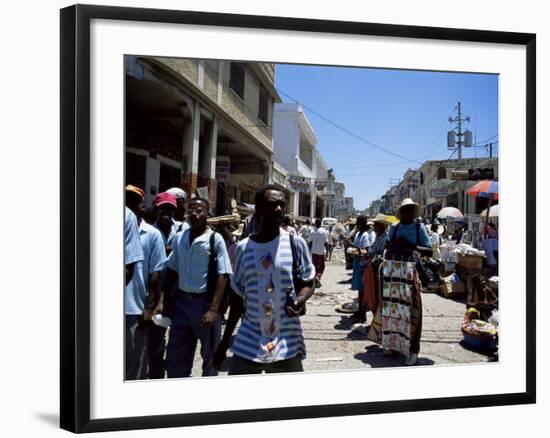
(270, 337)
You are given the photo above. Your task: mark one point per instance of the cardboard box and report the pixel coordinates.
(470, 261)
(452, 290)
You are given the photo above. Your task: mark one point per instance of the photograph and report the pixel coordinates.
(298, 218)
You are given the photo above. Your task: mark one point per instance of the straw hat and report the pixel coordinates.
(382, 218)
(136, 190)
(404, 203)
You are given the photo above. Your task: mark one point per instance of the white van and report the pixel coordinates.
(328, 221)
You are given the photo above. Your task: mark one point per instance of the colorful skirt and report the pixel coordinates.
(398, 320)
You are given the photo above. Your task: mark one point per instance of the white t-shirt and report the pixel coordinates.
(318, 239)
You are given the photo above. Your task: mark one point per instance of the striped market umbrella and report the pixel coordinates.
(450, 213)
(484, 189)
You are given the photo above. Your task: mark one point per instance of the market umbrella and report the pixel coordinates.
(493, 211)
(450, 213)
(485, 189)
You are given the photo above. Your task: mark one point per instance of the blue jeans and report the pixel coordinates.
(185, 331)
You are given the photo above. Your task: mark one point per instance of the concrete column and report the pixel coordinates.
(152, 178)
(220, 81)
(267, 166)
(313, 201)
(190, 148)
(210, 155)
(296, 203)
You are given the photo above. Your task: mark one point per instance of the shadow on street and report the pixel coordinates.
(374, 357)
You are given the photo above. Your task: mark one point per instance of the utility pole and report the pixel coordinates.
(460, 135)
(490, 150)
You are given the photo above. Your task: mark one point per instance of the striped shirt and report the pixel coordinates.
(134, 292)
(132, 247)
(262, 276)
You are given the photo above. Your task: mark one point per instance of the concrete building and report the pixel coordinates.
(376, 207)
(294, 146)
(348, 205)
(444, 183)
(203, 125)
(343, 205)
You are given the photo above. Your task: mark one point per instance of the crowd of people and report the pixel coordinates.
(184, 275)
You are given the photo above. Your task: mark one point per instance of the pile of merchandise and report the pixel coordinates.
(478, 334)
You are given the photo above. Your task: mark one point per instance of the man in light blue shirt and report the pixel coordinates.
(200, 291)
(134, 301)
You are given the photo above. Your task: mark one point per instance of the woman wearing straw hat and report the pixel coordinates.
(407, 241)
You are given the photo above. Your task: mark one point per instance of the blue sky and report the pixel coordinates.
(402, 111)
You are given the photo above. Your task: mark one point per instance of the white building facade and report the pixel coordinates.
(294, 149)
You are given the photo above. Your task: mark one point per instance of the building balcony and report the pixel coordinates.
(303, 169)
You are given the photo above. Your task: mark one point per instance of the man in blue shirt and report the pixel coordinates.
(154, 253)
(198, 299)
(134, 301)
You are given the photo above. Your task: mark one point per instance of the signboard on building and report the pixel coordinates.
(439, 193)
(320, 184)
(460, 174)
(299, 183)
(223, 164)
(279, 178)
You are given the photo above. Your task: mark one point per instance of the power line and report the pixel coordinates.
(439, 133)
(370, 166)
(347, 131)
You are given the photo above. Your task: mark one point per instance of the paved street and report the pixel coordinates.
(332, 344)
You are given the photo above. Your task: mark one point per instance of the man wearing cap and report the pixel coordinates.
(181, 201)
(166, 206)
(134, 296)
(153, 264)
(198, 301)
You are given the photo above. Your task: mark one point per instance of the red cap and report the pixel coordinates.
(165, 198)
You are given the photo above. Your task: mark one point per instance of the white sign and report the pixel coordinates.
(223, 165)
(203, 192)
(438, 193)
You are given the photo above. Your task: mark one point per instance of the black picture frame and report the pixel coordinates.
(75, 217)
